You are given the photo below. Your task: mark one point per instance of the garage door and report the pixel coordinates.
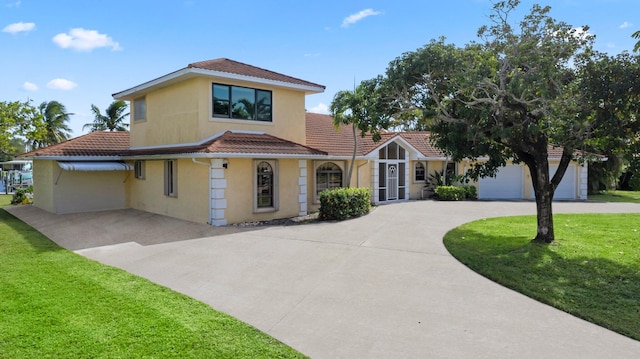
(567, 187)
(507, 184)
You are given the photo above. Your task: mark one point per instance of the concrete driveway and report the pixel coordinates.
(380, 286)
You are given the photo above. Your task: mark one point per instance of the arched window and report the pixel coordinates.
(265, 185)
(328, 176)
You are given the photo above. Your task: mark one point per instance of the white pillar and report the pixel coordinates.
(218, 186)
(302, 187)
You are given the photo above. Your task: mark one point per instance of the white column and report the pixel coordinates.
(302, 187)
(375, 183)
(218, 185)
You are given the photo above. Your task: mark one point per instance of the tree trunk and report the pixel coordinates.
(353, 157)
(544, 191)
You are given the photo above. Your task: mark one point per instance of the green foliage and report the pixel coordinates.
(455, 193)
(23, 196)
(343, 203)
(55, 130)
(616, 196)
(450, 193)
(57, 304)
(19, 120)
(114, 119)
(593, 272)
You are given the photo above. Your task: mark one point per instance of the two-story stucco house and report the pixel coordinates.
(225, 142)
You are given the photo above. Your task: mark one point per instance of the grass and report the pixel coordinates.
(617, 196)
(57, 304)
(593, 271)
(5, 199)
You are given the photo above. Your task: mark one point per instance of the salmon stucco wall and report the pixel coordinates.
(182, 113)
(191, 202)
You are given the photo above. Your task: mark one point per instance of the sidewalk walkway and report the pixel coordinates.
(380, 286)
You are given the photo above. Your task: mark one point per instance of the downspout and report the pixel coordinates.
(208, 164)
(358, 170)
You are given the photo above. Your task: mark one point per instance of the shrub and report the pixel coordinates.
(470, 192)
(343, 203)
(23, 196)
(450, 193)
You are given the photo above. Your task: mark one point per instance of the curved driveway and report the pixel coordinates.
(380, 286)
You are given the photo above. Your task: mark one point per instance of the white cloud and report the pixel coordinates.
(320, 108)
(353, 18)
(19, 27)
(625, 25)
(61, 84)
(28, 86)
(85, 40)
(14, 4)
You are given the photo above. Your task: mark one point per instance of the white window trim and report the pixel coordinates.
(426, 171)
(276, 186)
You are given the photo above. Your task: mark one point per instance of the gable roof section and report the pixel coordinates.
(321, 134)
(225, 69)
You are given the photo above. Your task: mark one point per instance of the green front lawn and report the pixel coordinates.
(592, 272)
(5, 199)
(617, 196)
(57, 304)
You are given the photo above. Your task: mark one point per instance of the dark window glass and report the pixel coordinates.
(419, 172)
(242, 103)
(265, 185)
(328, 176)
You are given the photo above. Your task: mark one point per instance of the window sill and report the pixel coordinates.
(231, 120)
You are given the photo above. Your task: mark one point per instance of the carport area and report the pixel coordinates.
(379, 286)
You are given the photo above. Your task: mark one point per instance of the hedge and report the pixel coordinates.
(455, 193)
(343, 203)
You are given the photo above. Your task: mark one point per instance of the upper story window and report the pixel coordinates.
(139, 109)
(241, 103)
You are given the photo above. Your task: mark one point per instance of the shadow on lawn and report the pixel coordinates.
(38, 241)
(599, 290)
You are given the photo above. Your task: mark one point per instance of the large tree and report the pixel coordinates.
(55, 118)
(19, 121)
(361, 110)
(506, 98)
(114, 119)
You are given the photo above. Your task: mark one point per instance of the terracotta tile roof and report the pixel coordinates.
(239, 68)
(322, 135)
(99, 143)
(234, 142)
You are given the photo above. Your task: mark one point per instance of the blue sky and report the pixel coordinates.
(81, 52)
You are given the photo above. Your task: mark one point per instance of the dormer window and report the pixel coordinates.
(241, 103)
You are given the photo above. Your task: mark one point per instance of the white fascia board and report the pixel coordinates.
(190, 72)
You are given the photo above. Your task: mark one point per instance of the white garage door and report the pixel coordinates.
(507, 184)
(567, 187)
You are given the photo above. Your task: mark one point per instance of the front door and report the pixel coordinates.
(392, 181)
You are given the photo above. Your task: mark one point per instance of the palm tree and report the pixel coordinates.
(636, 35)
(55, 129)
(113, 120)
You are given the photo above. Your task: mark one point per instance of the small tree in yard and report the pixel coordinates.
(508, 97)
